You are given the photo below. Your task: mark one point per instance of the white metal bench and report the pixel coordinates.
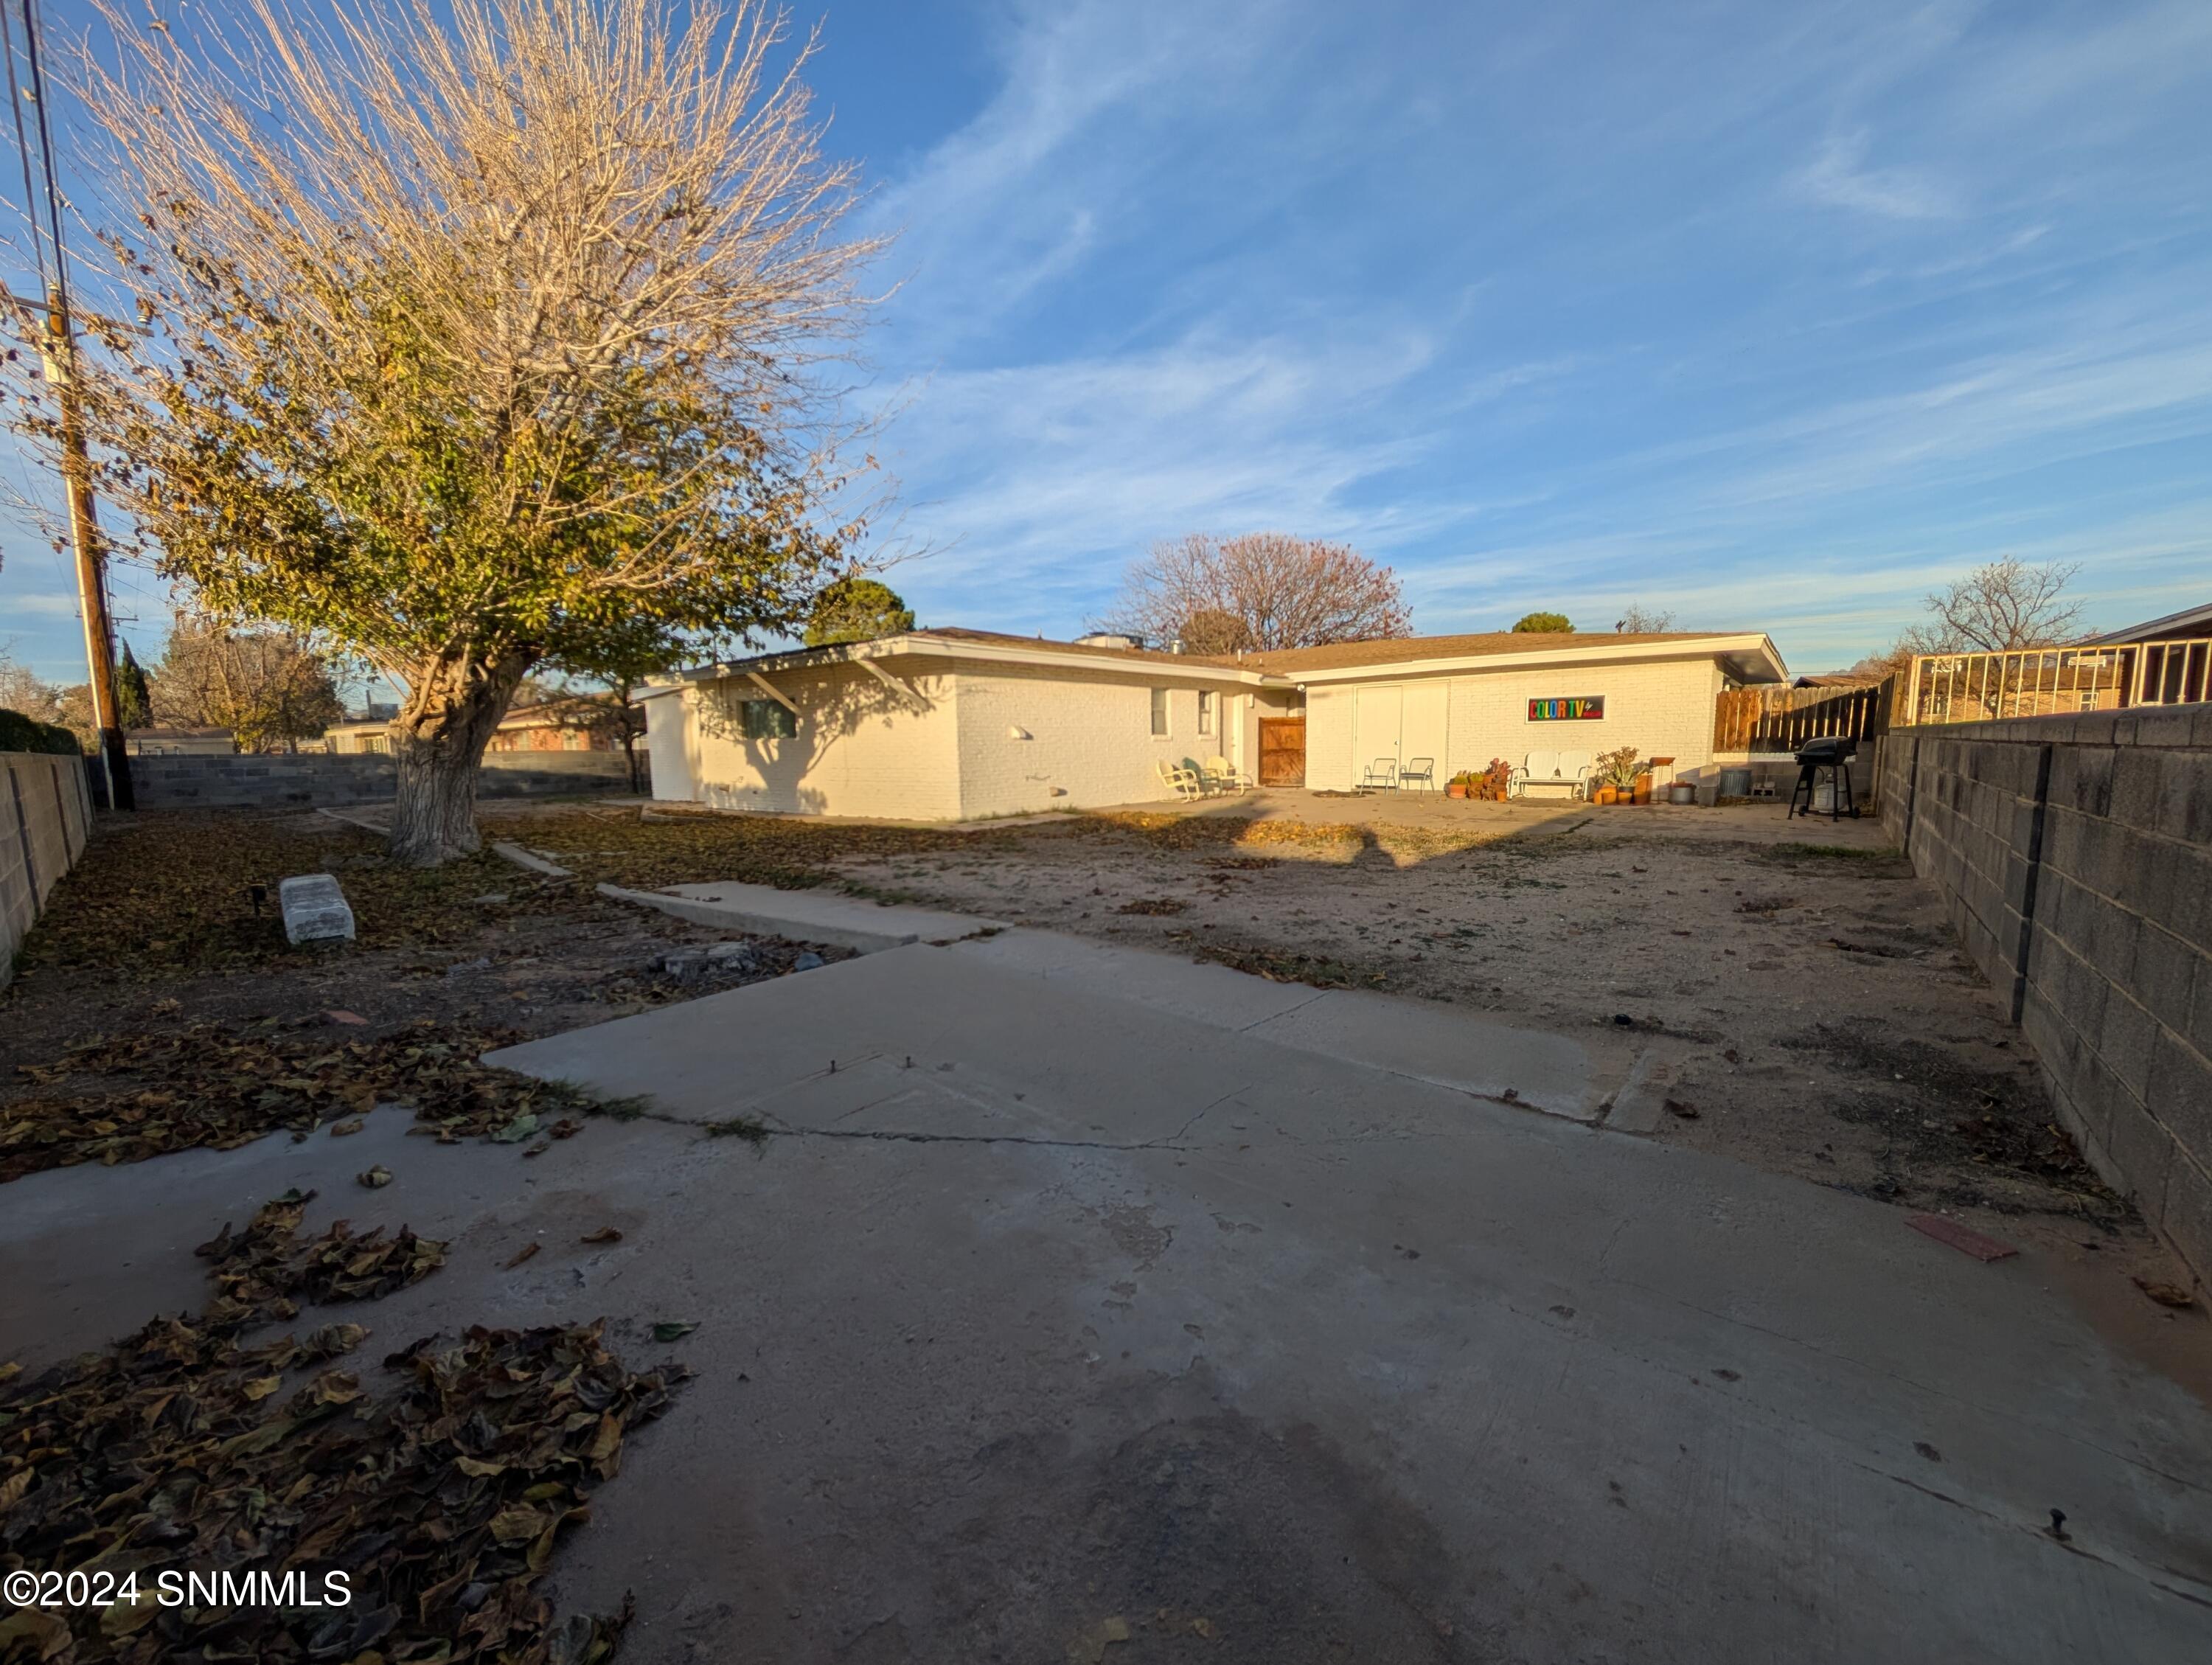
(1563, 770)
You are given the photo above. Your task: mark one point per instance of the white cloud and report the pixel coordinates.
(1838, 176)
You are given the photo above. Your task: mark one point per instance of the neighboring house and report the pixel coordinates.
(371, 734)
(950, 724)
(178, 742)
(2190, 623)
(561, 724)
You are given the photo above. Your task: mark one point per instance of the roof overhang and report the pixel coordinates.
(2188, 623)
(1749, 658)
(920, 645)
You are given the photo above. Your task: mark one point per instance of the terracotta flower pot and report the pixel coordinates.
(1607, 794)
(1643, 790)
(1456, 789)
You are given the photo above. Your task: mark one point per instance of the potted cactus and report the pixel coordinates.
(1461, 785)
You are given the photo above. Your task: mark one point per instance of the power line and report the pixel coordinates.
(23, 147)
(61, 296)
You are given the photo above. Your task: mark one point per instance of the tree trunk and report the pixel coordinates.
(452, 706)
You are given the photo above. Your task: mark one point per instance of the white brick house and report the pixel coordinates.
(956, 724)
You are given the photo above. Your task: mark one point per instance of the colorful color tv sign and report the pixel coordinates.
(1587, 707)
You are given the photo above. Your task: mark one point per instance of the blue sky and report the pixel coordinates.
(1773, 315)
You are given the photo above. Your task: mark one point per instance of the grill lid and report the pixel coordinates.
(1828, 749)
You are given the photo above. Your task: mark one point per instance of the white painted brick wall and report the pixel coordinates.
(1091, 739)
(1663, 710)
(861, 749)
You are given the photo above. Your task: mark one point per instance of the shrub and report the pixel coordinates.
(21, 734)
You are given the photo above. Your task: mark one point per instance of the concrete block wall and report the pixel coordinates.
(279, 780)
(45, 816)
(2076, 856)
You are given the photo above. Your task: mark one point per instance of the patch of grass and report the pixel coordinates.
(1278, 966)
(746, 1127)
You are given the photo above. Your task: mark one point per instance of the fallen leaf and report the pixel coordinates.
(375, 1178)
(605, 1234)
(672, 1330)
(341, 1129)
(2166, 1294)
(345, 1017)
(1682, 1108)
(522, 1254)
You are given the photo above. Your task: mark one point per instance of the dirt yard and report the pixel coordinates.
(159, 1007)
(1829, 1027)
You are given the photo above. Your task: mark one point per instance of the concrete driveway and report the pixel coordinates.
(1055, 1323)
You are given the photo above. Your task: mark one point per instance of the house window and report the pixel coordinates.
(765, 719)
(1204, 711)
(1160, 714)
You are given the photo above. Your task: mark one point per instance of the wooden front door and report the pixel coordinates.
(1282, 752)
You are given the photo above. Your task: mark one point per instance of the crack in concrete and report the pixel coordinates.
(896, 1136)
(2123, 1563)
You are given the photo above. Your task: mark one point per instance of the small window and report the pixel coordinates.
(765, 719)
(1160, 714)
(1204, 711)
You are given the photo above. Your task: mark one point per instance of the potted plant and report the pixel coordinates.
(1617, 772)
(1495, 783)
(1461, 785)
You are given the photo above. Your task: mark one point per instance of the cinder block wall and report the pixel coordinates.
(46, 816)
(279, 780)
(2076, 854)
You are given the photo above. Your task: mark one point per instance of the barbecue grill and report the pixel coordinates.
(1833, 753)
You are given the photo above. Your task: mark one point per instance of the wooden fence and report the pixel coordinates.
(1780, 720)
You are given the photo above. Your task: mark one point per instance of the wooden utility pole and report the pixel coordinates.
(58, 351)
(58, 356)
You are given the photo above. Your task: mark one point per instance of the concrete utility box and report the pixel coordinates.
(315, 910)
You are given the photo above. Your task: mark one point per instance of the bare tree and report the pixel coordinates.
(1638, 620)
(477, 335)
(267, 685)
(24, 691)
(1999, 607)
(1262, 591)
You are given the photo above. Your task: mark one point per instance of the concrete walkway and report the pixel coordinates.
(1047, 1310)
(1052, 1314)
(824, 916)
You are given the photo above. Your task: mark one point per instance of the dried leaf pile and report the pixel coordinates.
(675, 848)
(261, 1274)
(172, 890)
(123, 1098)
(177, 1450)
